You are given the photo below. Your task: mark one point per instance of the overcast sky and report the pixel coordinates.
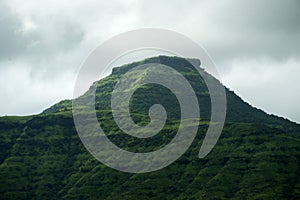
(255, 44)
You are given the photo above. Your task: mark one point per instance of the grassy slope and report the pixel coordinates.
(48, 160)
(237, 109)
(256, 157)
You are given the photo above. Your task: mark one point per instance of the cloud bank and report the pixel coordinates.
(255, 45)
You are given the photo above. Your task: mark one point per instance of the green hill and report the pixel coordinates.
(256, 157)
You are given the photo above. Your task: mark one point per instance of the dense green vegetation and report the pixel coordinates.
(257, 156)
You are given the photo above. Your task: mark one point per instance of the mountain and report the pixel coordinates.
(256, 157)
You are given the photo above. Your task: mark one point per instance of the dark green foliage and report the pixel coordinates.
(257, 156)
(251, 161)
(238, 110)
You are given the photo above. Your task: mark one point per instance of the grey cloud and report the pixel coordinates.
(52, 36)
(66, 33)
(230, 28)
(12, 41)
(264, 15)
(260, 29)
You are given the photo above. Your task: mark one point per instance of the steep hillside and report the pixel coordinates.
(237, 109)
(256, 157)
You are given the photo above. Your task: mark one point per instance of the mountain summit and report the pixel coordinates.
(256, 157)
(237, 109)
